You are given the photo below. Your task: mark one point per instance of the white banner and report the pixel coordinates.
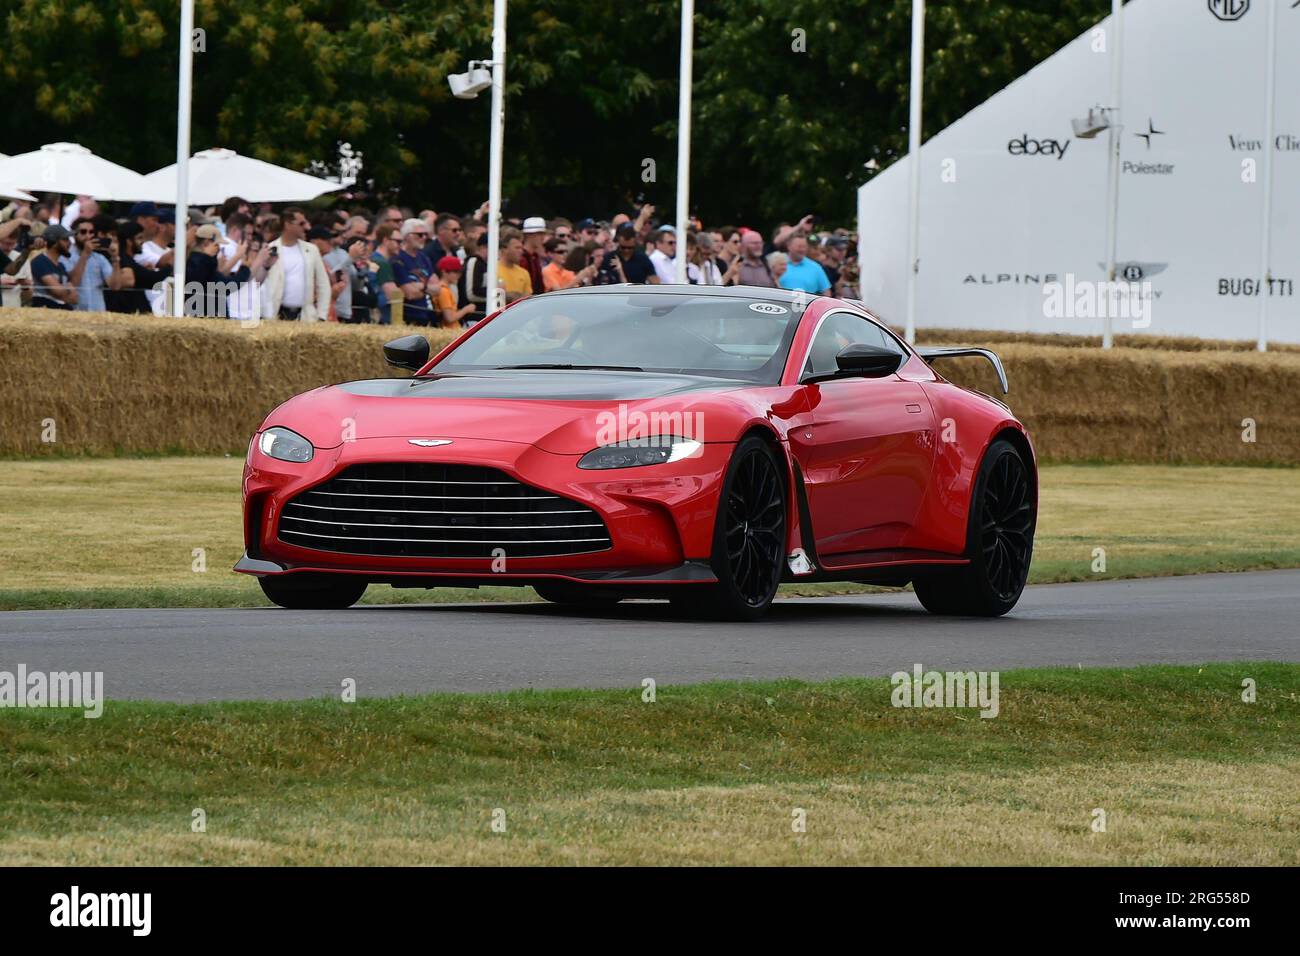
(1013, 205)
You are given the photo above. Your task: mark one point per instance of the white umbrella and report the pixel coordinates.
(13, 192)
(218, 174)
(74, 170)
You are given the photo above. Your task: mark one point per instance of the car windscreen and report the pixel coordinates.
(736, 337)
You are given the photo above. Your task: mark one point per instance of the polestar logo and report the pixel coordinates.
(1229, 9)
(429, 442)
(1151, 131)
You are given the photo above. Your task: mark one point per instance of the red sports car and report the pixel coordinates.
(691, 443)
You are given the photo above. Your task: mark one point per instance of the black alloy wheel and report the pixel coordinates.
(999, 542)
(748, 539)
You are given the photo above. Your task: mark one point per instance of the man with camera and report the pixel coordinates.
(92, 264)
(12, 234)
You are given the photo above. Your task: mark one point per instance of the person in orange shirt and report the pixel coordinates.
(449, 311)
(554, 274)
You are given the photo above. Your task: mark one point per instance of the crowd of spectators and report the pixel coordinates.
(251, 261)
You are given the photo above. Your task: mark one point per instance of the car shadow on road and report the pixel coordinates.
(781, 612)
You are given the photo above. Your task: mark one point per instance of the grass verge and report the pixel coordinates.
(1187, 773)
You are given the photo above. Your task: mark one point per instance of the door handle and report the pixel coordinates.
(914, 409)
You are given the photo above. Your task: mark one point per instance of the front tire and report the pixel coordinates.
(313, 592)
(748, 537)
(999, 542)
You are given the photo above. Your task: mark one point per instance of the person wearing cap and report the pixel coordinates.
(203, 274)
(159, 231)
(340, 268)
(626, 262)
(834, 249)
(295, 285)
(51, 287)
(664, 254)
(535, 233)
(447, 305)
(415, 274)
(588, 230)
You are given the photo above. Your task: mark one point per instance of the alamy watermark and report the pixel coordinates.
(83, 690)
(956, 689)
(1087, 299)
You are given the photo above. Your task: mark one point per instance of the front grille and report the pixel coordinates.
(438, 511)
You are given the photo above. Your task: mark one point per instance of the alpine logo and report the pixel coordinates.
(428, 442)
(1229, 9)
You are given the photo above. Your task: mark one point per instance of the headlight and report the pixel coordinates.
(285, 445)
(641, 451)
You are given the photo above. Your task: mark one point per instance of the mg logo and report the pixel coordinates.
(1229, 9)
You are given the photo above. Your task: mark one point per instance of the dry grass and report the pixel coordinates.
(1186, 772)
(102, 532)
(116, 384)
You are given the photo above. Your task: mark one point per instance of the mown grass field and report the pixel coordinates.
(1186, 772)
(123, 532)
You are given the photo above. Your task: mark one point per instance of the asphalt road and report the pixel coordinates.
(197, 655)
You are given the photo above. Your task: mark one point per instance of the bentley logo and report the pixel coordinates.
(1229, 9)
(429, 442)
(1136, 271)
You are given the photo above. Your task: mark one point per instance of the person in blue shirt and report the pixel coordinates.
(97, 274)
(802, 272)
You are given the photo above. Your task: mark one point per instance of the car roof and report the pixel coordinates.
(722, 291)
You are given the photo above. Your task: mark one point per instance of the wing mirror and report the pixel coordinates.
(410, 352)
(870, 361)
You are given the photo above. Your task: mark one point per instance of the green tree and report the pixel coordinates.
(779, 130)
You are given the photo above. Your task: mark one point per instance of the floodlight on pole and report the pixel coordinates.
(684, 81)
(1113, 165)
(1266, 224)
(466, 86)
(185, 84)
(914, 164)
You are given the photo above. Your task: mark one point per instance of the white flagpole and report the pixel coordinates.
(1270, 127)
(1113, 166)
(184, 87)
(684, 135)
(914, 163)
(494, 298)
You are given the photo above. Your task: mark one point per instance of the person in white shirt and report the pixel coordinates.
(156, 253)
(295, 284)
(665, 252)
(236, 250)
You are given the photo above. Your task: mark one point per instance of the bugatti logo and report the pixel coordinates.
(429, 442)
(1229, 9)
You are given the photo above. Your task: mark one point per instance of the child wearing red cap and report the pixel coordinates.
(451, 313)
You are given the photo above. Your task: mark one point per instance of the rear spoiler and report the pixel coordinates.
(930, 353)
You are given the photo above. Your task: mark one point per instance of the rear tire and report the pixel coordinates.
(748, 538)
(313, 592)
(559, 592)
(999, 542)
